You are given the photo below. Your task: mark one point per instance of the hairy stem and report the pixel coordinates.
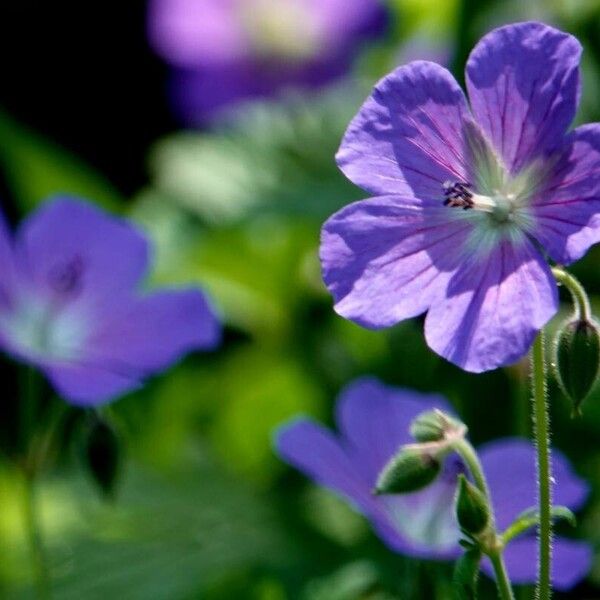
(469, 456)
(580, 298)
(541, 428)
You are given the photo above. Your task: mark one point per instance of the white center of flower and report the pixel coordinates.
(39, 330)
(281, 28)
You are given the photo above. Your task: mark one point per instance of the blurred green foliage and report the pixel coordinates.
(204, 508)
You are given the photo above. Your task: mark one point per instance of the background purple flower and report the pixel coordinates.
(465, 197)
(227, 51)
(373, 421)
(71, 304)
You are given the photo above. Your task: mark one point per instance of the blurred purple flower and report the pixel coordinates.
(374, 421)
(70, 304)
(515, 185)
(227, 51)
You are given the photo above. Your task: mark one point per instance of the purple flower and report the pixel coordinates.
(469, 200)
(373, 421)
(227, 51)
(70, 304)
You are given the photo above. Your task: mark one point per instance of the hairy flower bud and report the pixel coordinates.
(472, 511)
(411, 469)
(577, 359)
(434, 426)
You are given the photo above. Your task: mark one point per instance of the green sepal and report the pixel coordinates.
(577, 360)
(433, 426)
(472, 510)
(411, 469)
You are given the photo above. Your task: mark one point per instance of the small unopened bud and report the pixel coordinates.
(472, 511)
(434, 426)
(577, 359)
(408, 471)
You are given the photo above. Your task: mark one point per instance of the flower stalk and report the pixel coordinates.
(541, 427)
(492, 545)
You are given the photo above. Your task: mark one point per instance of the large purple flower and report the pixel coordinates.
(469, 200)
(374, 421)
(227, 51)
(70, 304)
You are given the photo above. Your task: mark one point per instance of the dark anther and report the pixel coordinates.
(65, 278)
(458, 194)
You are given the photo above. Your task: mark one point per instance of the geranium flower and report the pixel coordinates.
(227, 51)
(70, 304)
(373, 421)
(469, 199)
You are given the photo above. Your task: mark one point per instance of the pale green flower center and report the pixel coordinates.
(281, 28)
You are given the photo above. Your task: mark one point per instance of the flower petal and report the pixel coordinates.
(567, 208)
(493, 308)
(89, 385)
(112, 255)
(408, 137)
(523, 83)
(385, 259)
(143, 336)
(375, 419)
(150, 333)
(318, 454)
(571, 562)
(509, 465)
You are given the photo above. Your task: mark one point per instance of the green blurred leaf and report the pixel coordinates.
(36, 168)
(257, 391)
(166, 538)
(466, 574)
(277, 158)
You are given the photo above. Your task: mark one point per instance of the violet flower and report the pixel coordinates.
(70, 304)
(373, 421)
(227, 51)
(470, 200)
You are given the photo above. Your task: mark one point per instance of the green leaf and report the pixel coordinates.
(466, 574)
(530, 518)
(276, 159)
(36, 168)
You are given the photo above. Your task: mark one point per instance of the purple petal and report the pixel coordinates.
(144, 336)
(192, 33)
(523, 83)
(509, 465)
(567, 209)
(7, 262)
(408, 136)
(571, 562)
(387, 258)
(493, 308)
(91, 385)
(152, 332)
(317, 453)
(110, 254)
(375, 420)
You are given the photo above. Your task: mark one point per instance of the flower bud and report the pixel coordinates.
(434, 426)
(472, 511)
(411, 469)
(577, 359)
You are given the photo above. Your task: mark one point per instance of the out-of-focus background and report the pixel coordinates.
(227, 162)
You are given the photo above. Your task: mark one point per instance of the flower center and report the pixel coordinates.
(500, 206)
(281, 28)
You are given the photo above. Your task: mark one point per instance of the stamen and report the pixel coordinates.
(458, 194)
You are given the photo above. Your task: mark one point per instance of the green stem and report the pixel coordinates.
(469, 456)
(40, 568)
(580, 298)
(502, 581)
(541, 428)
